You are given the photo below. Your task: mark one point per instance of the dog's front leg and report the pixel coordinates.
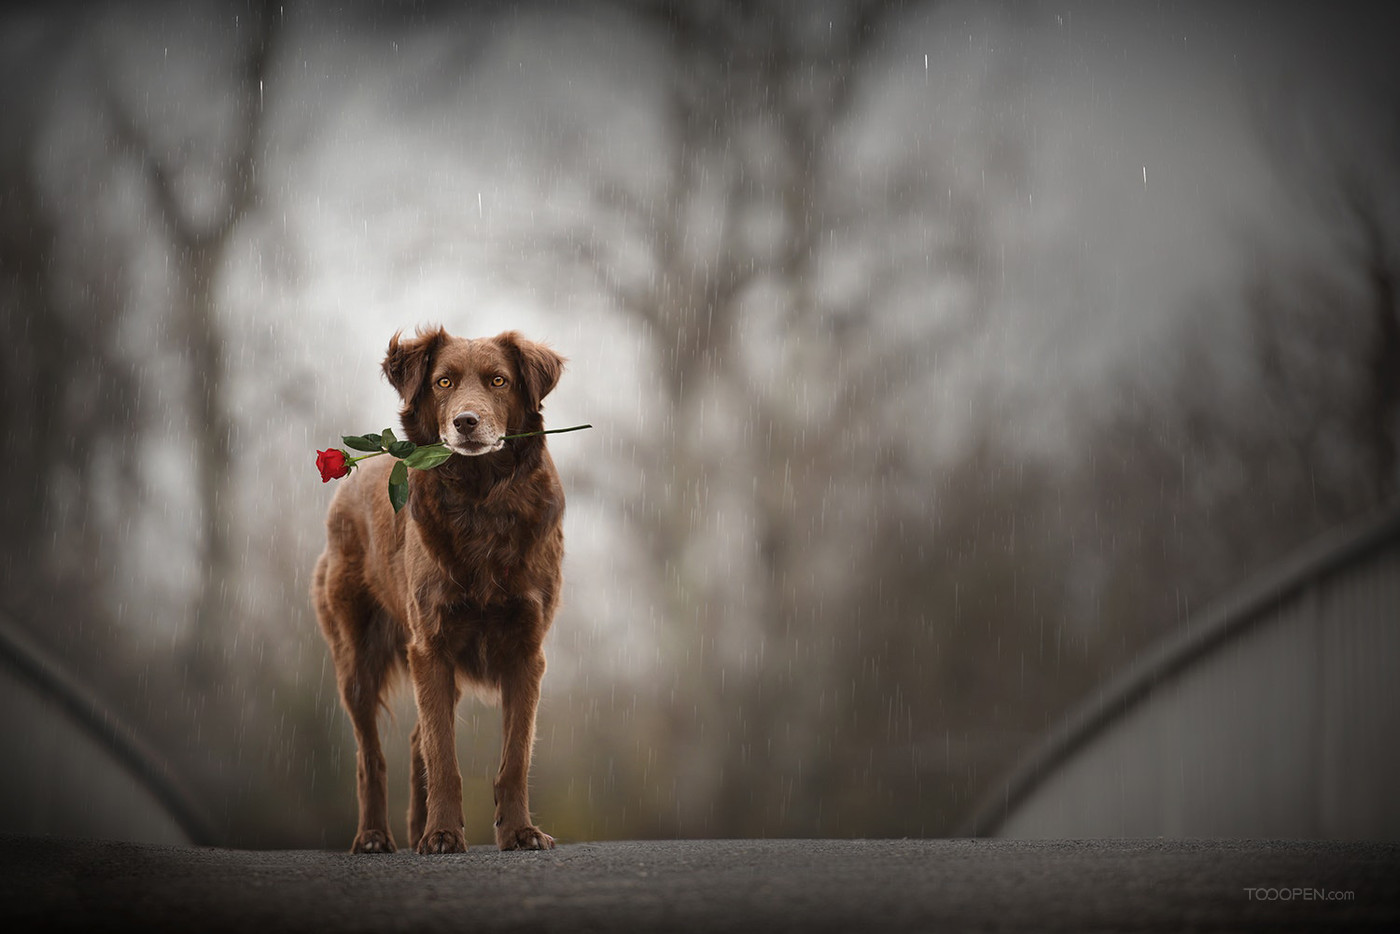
(435, 689)
(520, 697)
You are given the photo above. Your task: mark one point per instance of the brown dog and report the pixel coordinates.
(462, 584)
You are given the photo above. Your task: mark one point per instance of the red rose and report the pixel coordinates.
(332, 464)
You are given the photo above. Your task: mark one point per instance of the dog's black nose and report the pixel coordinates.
(466, 421)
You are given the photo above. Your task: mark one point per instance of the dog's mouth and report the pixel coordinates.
(472, 446)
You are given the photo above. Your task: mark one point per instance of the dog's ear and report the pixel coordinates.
(539, 366)
(408, 362)
(407, 365)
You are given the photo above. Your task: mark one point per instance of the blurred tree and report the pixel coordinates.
(201, 192)
(1375, 249)
(766, 271)
(128, 184)
(1254, 444)
(69, 392)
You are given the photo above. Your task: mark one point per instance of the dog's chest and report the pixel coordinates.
(481, 551)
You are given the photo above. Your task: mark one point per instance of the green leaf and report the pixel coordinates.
(398, 495)
(387, 438)
(360, 443)
(402, 448)
(428, 456)
(398, 486)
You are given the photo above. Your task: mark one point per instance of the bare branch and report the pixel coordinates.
(242, 174)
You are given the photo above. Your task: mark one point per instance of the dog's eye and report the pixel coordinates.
(498, 381)
(444, 383)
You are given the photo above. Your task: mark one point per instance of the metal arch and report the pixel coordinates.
(112, 733)
(1238, 612)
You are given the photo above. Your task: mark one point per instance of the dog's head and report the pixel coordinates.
(470, 394)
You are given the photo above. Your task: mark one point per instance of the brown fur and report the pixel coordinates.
(461, 585)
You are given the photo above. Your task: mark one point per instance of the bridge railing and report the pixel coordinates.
(72, 767)
(1273, 714)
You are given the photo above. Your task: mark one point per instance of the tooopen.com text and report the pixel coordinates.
(1297, 894)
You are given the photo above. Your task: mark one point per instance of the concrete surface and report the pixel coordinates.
(744, 885)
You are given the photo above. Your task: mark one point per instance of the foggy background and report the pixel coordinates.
(941, 357)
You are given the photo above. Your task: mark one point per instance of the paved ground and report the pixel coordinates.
(774, 885)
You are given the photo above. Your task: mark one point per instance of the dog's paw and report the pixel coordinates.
(523, 838)
(442, 841)
(373, 841)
